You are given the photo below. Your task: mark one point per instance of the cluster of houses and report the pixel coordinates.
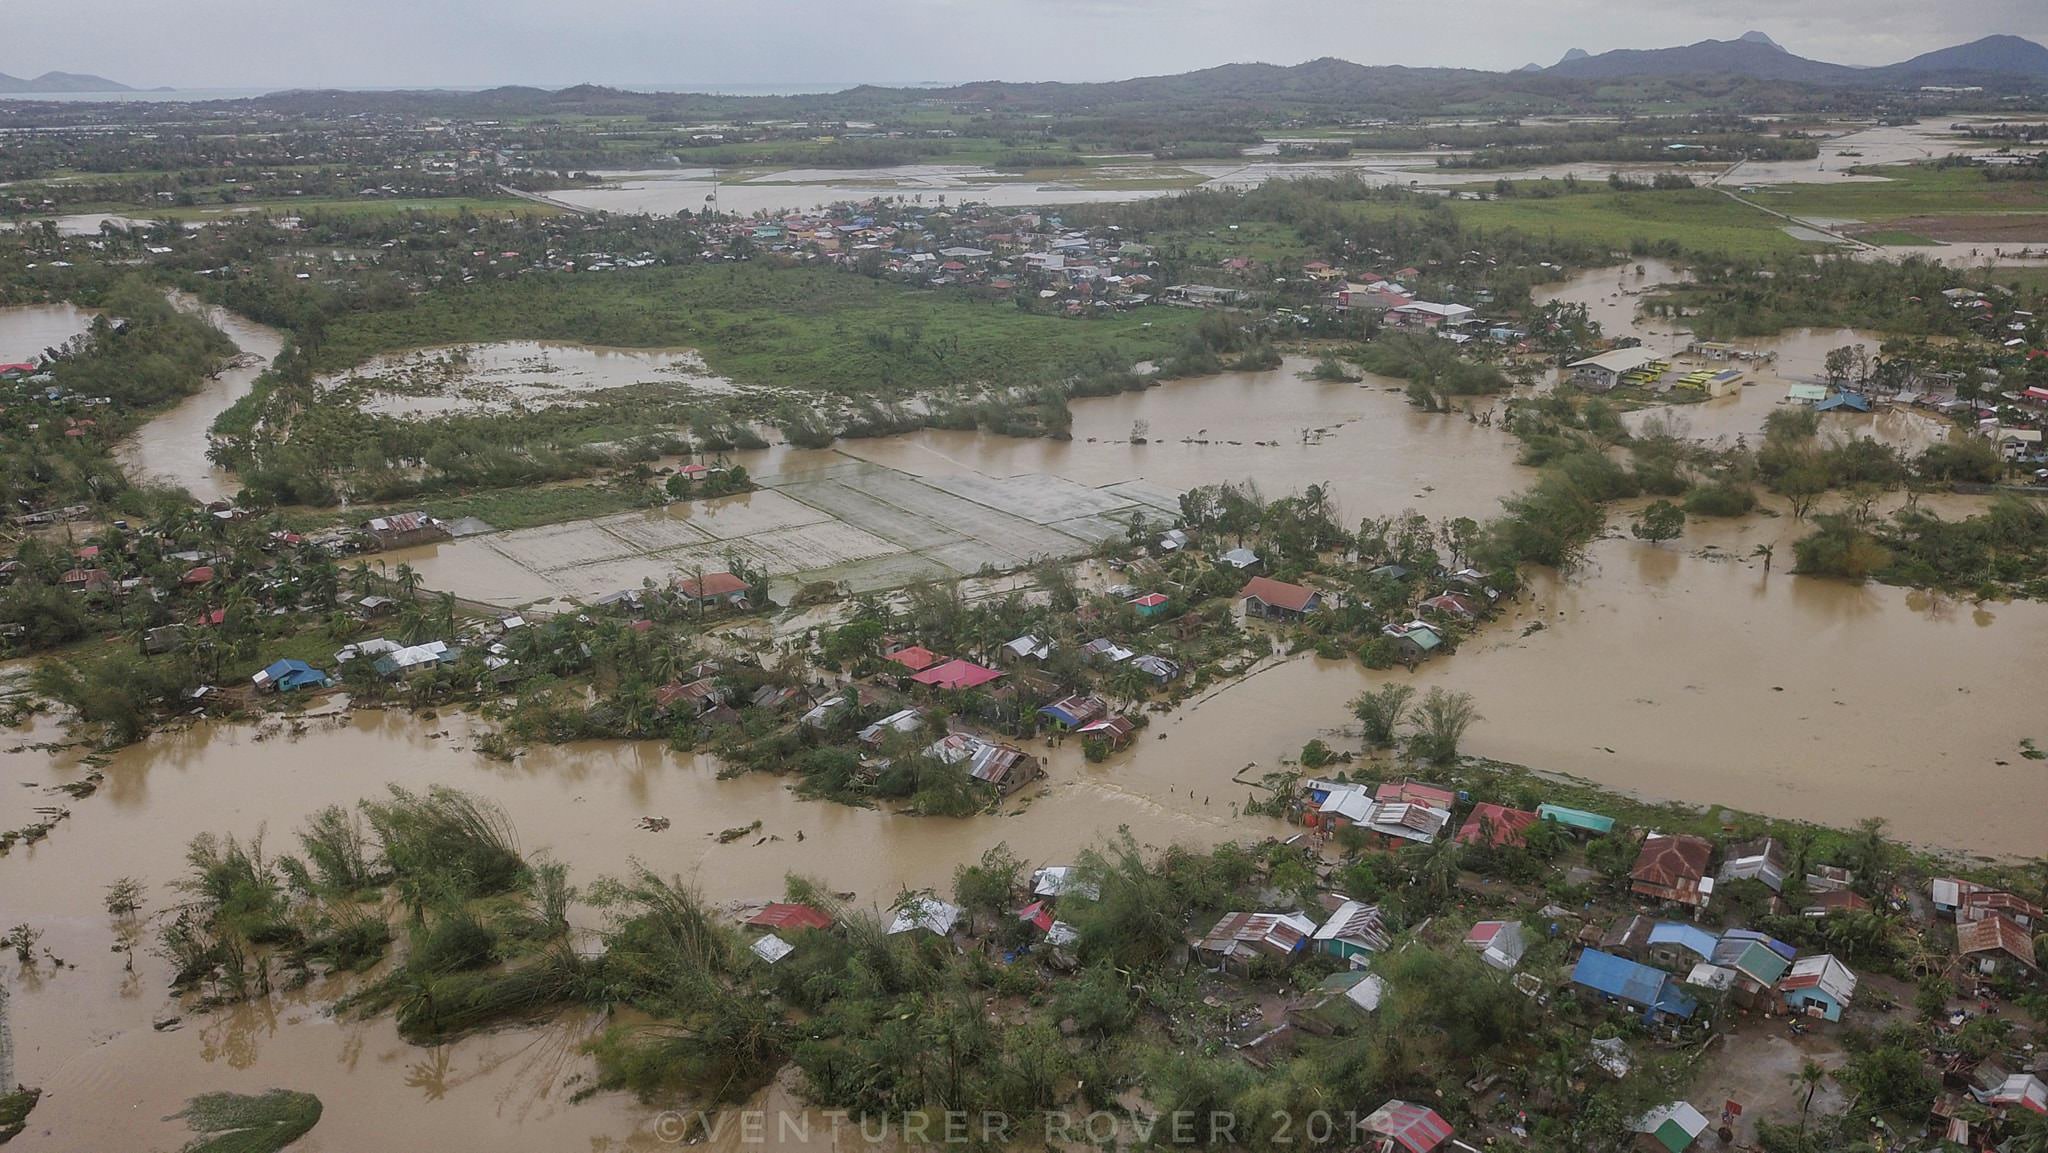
(994, 251)
(1467, 597)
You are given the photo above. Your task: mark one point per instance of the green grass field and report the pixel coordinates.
(1699, 220)
(1908, 190)
(771, 326)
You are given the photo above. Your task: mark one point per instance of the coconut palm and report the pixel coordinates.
(1810, 1076)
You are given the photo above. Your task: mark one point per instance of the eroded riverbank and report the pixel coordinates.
(171, 448)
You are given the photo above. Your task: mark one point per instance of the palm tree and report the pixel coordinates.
(408, 580)
(1810, 1076)
(1764, 551)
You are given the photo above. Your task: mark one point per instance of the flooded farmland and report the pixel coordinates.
(1679, 671)
(517, 374)
(27, 329)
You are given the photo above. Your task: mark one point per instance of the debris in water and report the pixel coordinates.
(655, 824)
(733, 834)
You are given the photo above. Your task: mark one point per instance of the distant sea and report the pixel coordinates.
(707, 89)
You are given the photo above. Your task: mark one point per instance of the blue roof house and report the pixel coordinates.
(1681, 945)
(1651, 990)
(289, 676)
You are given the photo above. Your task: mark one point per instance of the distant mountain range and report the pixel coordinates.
(55, 82)
(1757, 56)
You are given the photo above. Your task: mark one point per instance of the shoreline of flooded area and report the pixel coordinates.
(171, 447)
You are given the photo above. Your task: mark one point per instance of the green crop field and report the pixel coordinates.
(779, 327)
(1698, 220)
(1908, 190)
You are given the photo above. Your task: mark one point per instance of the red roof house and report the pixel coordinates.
(957, 674)
(1411, 1127)
(1671, 867)
(198, 576)
(1266, 597)
(784, 915)
(1496, 825)
(916, 658)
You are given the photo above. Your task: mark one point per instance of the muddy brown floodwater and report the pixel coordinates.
(84, 1033)
(1678, 671)
(171, 448)
(27, 329)
(1377, 454)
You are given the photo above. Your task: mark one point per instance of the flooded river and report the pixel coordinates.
(171, 449)
(84, 1034)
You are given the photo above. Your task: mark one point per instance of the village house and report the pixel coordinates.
(1678, 946)
(1240, 939)
(1981, 903)
(1760, 860)
(1006, 767)
(1242, 559)
(1628, 936)
(1277, 600)
(900, 721)
(1669, 1128)
(1830, 902)
(1499, 943)
(404, 530)
(1070, 713)
(785, 916)
(1577, 820)
(1605, 372)
(1819, 986)
(1495, 826)
(1996, 942)
(1354, 932)
(1338, 1004)
(1652, 991)
(1759, 961)
(1673, 867)
(916, 658)
(1114, 731)
(289, 675)
(1414, 640)
(712, 590)
(956, 676)
(926, 913)
(1398, 1127)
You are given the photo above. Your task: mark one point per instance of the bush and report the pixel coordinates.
(1721, 498)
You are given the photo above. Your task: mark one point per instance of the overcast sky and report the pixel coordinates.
(344, 43)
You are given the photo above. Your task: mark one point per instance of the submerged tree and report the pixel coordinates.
(1381, 711)
(1440, 723)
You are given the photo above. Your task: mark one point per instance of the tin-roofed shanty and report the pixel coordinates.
(1238, 939)
(1496, 826)
(1399, 1125)
(1673, 867)
(1995, 941)
(1651, 990)
(787, 915)
(1820, 986)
